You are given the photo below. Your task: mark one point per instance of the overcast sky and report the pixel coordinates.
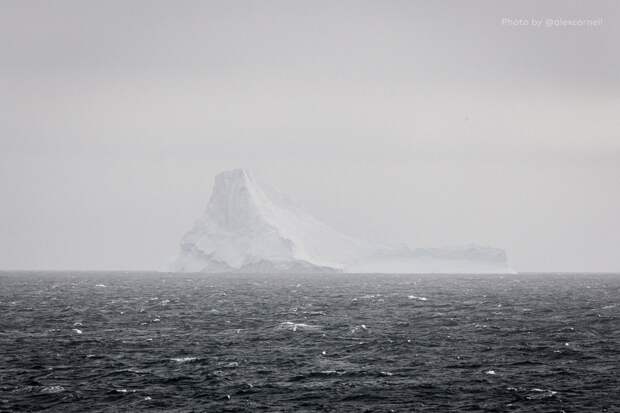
(423, 122)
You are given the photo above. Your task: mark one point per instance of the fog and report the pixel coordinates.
(425, 123)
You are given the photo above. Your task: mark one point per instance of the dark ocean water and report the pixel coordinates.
(76, 342)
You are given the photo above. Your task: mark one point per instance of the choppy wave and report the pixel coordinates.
(166, 342)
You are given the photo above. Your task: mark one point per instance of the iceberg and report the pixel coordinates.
(248, 227)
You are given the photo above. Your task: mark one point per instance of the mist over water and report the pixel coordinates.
(150, 341)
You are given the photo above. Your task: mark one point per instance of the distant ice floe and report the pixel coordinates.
(183, 359)
(491, 372)
(288, 325)
(100, 285)
(77, 331)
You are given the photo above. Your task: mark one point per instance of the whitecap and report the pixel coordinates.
(77, 331)
(100, 285)
(288, 325)
(541, 394)
(359, 328)
(415, 297)
(369, 296)
(492, 372)
(52, 389)
(183, 359)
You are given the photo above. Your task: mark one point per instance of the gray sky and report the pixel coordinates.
(428, 123)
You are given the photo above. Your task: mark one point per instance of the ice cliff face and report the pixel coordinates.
(248, 227)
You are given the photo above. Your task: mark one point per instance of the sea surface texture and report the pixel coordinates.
(78, 342)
